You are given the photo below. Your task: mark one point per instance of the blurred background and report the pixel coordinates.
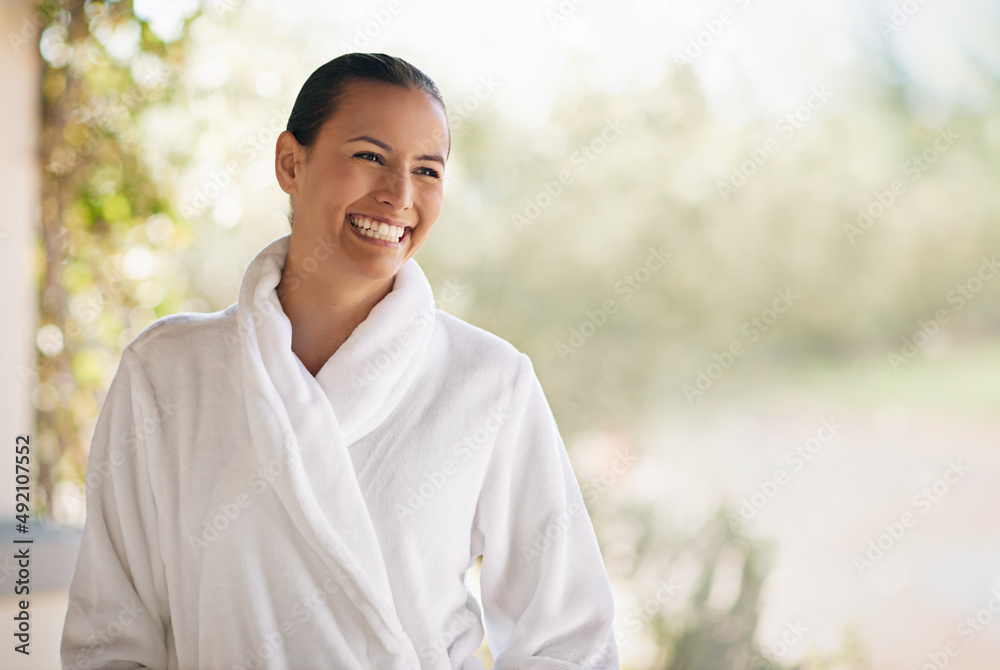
(750, 247)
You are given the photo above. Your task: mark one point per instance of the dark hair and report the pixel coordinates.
(324, 90)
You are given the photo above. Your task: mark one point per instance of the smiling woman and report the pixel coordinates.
(383, 143)
(304, 479)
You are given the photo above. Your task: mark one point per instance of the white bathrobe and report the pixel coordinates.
(243, 514)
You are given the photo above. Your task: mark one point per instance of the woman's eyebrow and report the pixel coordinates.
(382, 145)
(369, 138)
(431, 157)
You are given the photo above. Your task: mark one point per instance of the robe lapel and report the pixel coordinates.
(368, 375)
(307, 427)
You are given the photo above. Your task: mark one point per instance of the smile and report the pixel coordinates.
(377, 229)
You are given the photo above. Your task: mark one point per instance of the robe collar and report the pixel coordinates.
(307, 424)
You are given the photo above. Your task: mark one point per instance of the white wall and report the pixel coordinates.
(19, 120)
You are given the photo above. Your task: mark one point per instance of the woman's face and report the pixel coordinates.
(372, 188)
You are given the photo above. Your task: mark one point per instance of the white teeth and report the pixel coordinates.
(376, 229)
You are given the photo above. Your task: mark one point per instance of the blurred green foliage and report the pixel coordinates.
(98, 202)
(789, 226)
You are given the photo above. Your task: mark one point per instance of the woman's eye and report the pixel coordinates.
(373, 157)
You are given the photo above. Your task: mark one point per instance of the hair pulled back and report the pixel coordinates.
(324, 90)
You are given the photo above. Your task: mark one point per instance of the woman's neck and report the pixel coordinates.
(324, 307)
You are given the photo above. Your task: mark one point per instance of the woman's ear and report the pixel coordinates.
(287, 158)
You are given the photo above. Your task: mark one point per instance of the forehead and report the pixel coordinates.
(405, 118)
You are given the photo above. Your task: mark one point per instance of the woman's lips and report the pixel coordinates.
(368, 234)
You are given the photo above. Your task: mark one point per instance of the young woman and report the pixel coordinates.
(303, 479)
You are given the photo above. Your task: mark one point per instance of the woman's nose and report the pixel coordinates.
(396, 190)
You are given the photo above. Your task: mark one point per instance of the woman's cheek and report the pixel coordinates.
(435, 201)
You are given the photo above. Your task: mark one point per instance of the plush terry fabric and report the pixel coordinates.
(242, 513)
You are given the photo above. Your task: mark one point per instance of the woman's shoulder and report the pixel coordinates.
(478, 347)
(186, 335)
